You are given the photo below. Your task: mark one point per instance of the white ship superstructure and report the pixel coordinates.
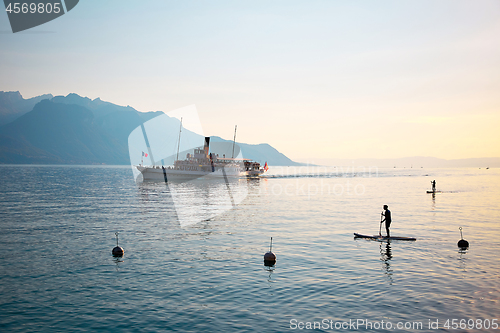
(202, 164)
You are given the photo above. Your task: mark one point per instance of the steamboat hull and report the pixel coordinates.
(176, 175)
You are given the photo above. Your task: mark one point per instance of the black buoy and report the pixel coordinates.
(463, 244)
(117, 251)
(270, 257)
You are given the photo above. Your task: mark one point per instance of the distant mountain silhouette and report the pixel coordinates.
(114, 120)
(13, 105)
(59, 133)
(70, 130)
(261, 153)
(77, 130)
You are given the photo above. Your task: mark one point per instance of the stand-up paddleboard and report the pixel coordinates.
(376, 237)
(433, 191)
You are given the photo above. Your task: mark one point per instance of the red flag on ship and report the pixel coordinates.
(266, 167)
(144, 154)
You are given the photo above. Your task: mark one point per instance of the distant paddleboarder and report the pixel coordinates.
(433, 186)
(387, 219)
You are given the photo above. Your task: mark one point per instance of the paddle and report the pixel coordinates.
(380, 228)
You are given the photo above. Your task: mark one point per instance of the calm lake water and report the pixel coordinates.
(58, 227)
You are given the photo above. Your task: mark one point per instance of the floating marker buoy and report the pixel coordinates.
(270, 257)
(463, 244)
(117, 251)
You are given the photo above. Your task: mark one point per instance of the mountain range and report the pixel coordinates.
(77, 130)
(72, 129)
(13, 105)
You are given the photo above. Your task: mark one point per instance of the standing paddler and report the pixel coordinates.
(387, 219)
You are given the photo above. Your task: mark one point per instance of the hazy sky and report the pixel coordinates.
(315, 79)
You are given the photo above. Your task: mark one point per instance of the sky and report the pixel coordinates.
(317, 80)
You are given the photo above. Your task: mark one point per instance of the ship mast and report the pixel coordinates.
(234, 140)
(179, 141)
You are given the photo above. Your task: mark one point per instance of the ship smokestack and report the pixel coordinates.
(207, 144)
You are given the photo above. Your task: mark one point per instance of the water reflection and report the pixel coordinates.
(197, 200)
(462, 262)
(200, 200)
(270, 281)
(269, 269)
(385, 257)
(117, 262)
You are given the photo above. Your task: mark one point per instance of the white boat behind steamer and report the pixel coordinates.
(204, 165)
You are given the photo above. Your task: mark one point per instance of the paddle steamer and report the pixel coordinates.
(202, 164)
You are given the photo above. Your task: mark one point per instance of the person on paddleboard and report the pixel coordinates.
(387, 219)
(433, 183)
